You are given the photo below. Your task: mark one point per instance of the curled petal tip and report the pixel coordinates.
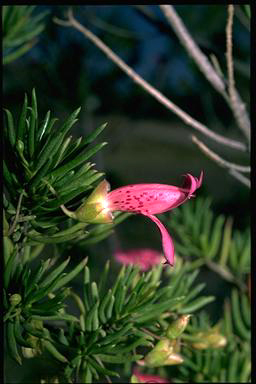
(199, 182)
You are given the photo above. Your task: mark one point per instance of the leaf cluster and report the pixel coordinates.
(210, 240)
(47, 168)
(20, 30)
(231, 363)
(113, 323)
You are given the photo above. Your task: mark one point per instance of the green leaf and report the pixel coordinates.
(62, 338)
(94, 292)
(118, 359)
(77, 161)
(33, 125)
(196, 304)
(194, 292)
(103, 277)
(41, 131)
(87, 375)
(22, 119)
(216, 237)
(226, 242)
(11, 342)
(110, 307)
(232, 370)
(101, 369)
(60, 317)
(11, 129)
(35, 277)
(53, 239)
(93, 313)
(37, 178)
(55, 273)
(50, 148)
(239, 324)
(53, 351)
(92, 136)
(120, 295)
(10, 268)
(18, 334)
(71, 275)
(103, 305)
(246, 310)
(82, 181)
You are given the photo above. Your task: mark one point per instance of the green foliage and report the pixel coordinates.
(116, 324)
(20, 30)
(228, 364)
(112, 323)
(211, 239)
(47, 168)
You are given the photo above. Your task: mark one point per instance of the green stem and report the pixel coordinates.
(17, 213)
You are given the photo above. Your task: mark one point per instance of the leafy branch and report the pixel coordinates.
(210, 241)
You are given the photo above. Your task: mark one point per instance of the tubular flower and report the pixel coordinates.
(150, 199)
(144, 199)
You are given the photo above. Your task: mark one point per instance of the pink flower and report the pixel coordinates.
(150, 199)
(144, 378)
(145, 258)
(144, 199)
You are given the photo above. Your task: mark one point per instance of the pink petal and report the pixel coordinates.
(145, 198)
(145, 257)
(167, 242)
(145, 378)
(152, 198)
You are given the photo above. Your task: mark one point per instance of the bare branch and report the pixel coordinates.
(207, 69)
(239, 176)
(218, 159)
(192, 48)
(153, 91)
(63, 23)
(234, 169)
(237, 106)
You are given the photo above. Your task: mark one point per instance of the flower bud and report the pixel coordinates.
(163, 354)
(28, 353)
(177, 327)
(211, 339)
(216, 340)
(95, 209)
(159, 353)
(176, 345)
(15, 299)
(174, 359)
